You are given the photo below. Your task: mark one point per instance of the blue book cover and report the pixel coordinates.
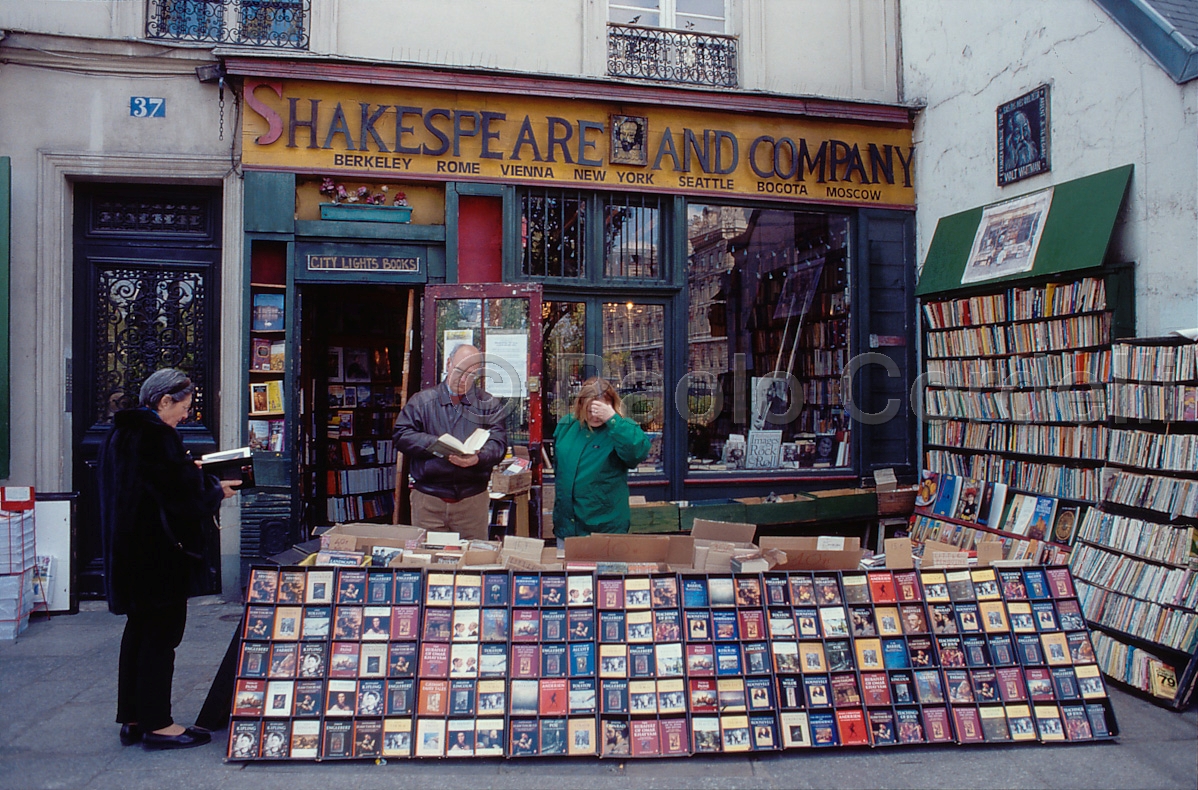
(528, 589)
(894, 654)
(582, 659)
(1042, 518)
(495, 589)
(725, 624)
(823, 728)
(694, 593)
(727, 659)
(946, 497)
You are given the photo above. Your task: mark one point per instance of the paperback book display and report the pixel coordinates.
(1136, 550)
(367, 663)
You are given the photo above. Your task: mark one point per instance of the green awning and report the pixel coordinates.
(1076, 234)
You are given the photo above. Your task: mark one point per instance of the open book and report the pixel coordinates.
(230, 465)
(447, 445)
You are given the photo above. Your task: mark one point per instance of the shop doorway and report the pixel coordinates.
(146, 296)
(358, 364)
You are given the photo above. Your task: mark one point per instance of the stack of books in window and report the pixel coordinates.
(1136, 552)
(363, 663)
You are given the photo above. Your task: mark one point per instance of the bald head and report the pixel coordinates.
(461, 369)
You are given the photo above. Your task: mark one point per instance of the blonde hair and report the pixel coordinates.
(596, 388)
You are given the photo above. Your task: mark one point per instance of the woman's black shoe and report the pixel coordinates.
(130, 734)
(184, 740)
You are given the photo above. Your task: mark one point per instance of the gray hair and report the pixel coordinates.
(168, 381)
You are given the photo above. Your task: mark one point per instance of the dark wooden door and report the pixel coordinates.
(146, 292)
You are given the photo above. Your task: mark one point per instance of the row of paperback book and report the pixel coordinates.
(1159, 402)
(361, 663)
(1019, 304)
(993, 506)
(1165, 625)
(1072, 441)
(355, 507)
(1164, 363)
(1171, 495)
(1042, 405)
(926, 528)
(1065, 368)
(362, 451)
(1177, 452)
(1167, 543)
(1055, 480)
(1135, 667)
(362, 480)
(1137, 578)
(1081, 331)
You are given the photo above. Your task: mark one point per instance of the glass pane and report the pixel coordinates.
(552, 233)
(506, 343)
(768, 337)
(700, 24)
(563, 366)
(634, 360)
(634, 12)
(459, 322)
(631, 232)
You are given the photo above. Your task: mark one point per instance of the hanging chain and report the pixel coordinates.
(221, 86)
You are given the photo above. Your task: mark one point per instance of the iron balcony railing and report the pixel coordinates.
(263, 23)
(671, 56)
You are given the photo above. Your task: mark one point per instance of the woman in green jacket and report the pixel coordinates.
(595, 446)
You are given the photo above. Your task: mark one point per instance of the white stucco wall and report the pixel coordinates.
(1110, 105)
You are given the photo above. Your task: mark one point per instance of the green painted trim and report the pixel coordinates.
(1076, 234)
(269, 202)
(5, 316)
(350, 231)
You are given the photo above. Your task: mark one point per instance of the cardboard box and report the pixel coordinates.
(507, 485)
(717, 542)
(811, 553)
(361, 537)
(673, 551)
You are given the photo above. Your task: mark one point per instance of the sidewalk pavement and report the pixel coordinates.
(58, 692)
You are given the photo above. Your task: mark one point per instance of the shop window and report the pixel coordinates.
(552, 233)
(769, 339)
(634, 364)
(563, 343)
(631, 237)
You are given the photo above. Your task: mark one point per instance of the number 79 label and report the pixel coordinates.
(147, 107)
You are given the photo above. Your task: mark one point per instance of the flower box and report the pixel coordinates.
(365, 212)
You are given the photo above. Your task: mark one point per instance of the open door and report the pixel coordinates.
(504, 321)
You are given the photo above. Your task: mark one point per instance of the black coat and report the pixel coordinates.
(153, 502)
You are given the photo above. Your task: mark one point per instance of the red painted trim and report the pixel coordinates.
(480, 237)
(558, 88)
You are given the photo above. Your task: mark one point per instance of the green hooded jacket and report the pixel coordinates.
(591, 475)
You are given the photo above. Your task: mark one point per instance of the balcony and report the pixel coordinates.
(256, 23)
(675, 56)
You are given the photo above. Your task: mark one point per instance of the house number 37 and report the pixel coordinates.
(147, 107)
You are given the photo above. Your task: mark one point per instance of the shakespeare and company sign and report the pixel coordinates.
(398, 133)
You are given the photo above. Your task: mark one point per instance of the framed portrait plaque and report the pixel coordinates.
(1023, 137)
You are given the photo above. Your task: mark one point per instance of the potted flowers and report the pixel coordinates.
(363, 203)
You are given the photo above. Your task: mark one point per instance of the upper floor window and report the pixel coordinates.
(700, 16)
(273, 23)
(671, 40)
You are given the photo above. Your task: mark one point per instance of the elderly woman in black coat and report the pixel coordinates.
(153, 501)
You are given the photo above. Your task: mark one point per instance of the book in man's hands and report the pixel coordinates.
(447, 445)
(231, 465)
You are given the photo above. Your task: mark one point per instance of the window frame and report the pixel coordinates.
(667, 12)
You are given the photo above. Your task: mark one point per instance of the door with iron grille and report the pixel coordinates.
(146, 292)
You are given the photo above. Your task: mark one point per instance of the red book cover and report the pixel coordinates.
(249, 698)
(343, 663)
(554, 697)
(906, 584)
(881, 587)
(526, 661)
(1059, 582)
(1039, 684)
(752, 624)
(674, 739)
(969, 726)
(646, 742)
(404, 620)
(704, 698)
(1010, 684)
(935, 725)
(876, 688)
(434, 698)
(526, 625)
(611, 593)
(853, 730)
(700, 660)
(434, 660)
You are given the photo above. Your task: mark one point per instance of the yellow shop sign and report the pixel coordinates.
(395, 132)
